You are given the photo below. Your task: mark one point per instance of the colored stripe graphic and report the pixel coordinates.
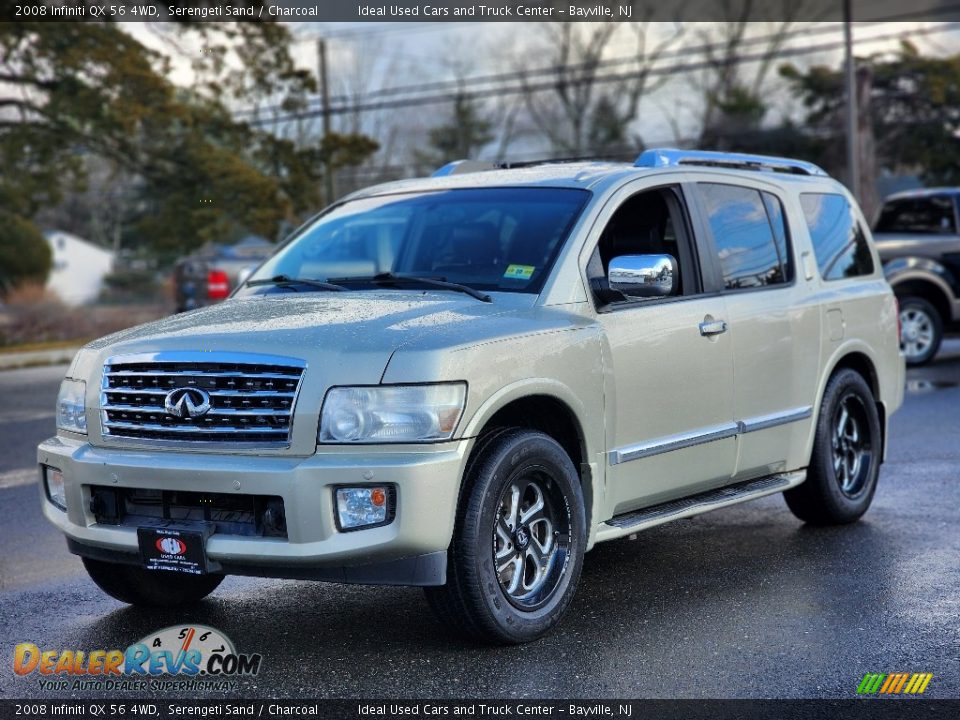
(870, 683)
(894, 683)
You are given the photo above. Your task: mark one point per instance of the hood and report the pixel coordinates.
(347, 334)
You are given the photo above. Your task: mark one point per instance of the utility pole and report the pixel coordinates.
(853, 135)
(329, 186)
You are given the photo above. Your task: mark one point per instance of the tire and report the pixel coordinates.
(845, 464)
(540, 551)
(149, 588)
(921, 330)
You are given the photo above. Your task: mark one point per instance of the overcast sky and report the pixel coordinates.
(366, 57)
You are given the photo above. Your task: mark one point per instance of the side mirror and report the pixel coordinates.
(643, 275)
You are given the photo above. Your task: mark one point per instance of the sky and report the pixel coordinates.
(366, 57)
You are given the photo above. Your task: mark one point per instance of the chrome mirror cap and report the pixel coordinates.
(643, 275)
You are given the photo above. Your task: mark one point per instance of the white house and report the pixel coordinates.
(78, 269)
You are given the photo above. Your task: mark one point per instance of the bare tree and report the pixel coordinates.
(582, 108)
(739, 54)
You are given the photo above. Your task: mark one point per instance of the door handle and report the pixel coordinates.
(713, 327)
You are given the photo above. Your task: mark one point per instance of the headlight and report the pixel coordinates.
(71, 407)
(392, 413)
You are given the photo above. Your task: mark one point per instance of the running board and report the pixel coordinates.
(649, 517)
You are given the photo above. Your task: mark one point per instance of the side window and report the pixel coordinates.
(838, 239)
(749, 235)
(649, 223)
(922, 215)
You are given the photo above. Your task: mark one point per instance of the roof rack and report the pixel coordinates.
(666, 157)
(459, 167)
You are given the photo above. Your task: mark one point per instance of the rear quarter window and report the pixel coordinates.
(839, 241)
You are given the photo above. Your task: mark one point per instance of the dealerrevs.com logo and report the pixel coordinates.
(199, 657)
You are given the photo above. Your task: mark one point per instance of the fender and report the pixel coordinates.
(903, 269)
(847, 348)
(593, 437)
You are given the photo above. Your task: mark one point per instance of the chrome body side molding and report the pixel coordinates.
(709, 434)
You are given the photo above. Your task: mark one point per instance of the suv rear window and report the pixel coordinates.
(749, 234)
(921, 215)
(838, 239)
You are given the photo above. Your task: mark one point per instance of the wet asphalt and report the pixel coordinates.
(743, 602)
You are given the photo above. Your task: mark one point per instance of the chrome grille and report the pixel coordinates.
(251, 398)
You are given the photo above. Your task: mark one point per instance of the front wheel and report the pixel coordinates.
(842, 476)
(921, 330)
(517, 551)
(149, 588)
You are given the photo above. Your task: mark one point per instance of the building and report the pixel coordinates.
(78, 268)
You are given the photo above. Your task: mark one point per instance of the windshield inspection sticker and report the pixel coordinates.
(519, 272)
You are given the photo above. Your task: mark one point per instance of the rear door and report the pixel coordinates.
(774, 321)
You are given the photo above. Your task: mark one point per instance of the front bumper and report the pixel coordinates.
(411, 550)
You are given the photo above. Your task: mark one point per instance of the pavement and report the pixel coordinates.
(740, 603)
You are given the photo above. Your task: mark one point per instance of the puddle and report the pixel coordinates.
(925, 386)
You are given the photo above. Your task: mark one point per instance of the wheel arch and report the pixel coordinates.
(930, 288)
(548, 407)
(859, 358)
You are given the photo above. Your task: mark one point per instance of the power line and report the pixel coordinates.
(458, 86)
(363, 105)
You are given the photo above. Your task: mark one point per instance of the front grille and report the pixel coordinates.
(251, 398)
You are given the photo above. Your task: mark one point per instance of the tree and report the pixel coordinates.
(733, 85)
(586, 111)
(463, 136)
(915, 110)
(73, 91)
(24, 254)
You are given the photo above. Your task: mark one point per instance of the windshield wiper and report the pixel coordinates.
(286, 280)
(388, 278)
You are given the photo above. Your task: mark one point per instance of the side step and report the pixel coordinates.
(697, 504)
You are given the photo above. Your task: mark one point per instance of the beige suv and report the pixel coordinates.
(467, 381)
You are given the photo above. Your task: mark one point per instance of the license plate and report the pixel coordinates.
(173, 549)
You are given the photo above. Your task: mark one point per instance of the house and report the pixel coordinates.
(78, 268)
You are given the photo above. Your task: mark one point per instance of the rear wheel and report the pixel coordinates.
(149, 588)
(842, 476)
(517, 551)
(921, 330)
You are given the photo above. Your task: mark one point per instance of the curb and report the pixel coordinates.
(36, 358)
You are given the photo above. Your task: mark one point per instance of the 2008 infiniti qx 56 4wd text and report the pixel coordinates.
(467, 381)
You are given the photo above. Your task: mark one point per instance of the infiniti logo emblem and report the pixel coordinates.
(187, 402)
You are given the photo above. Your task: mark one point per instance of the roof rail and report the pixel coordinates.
(459, 167)
(666, 157)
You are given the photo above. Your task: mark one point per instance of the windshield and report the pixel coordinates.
(503, 239)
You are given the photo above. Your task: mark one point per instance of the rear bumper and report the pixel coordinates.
(409, 550)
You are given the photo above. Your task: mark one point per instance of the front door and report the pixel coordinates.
(668, 362)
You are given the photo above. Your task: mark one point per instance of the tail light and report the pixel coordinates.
(218, 285)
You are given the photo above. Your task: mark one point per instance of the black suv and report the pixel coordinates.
(919, 242)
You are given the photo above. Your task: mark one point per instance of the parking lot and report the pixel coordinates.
(744, 602)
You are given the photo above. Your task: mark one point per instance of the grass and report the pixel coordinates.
(38, 346)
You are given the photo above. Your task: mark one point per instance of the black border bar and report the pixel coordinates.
(459, 11)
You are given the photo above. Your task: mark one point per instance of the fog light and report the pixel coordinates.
(56, 492)
(362, 507)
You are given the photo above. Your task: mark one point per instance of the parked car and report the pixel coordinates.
(919, 242)
(467, 381)
(210, 274)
